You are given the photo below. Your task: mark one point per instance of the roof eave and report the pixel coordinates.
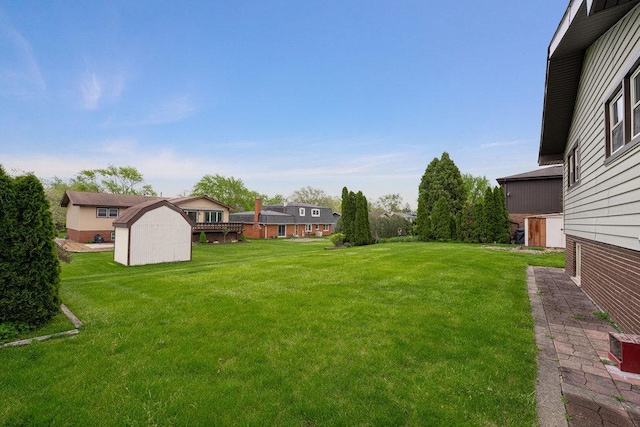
(582, 24)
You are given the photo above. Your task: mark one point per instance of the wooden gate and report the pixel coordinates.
(537, 232)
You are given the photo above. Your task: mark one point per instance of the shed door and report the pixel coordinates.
(537, 232)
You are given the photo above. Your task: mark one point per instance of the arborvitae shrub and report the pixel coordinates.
(29, 266)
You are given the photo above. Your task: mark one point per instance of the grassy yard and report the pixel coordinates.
(287, 333)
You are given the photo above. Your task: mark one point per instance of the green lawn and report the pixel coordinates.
(287, 333)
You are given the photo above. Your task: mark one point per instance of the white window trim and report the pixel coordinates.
(619, 97)
(315, 212)
(307, 228)
(107, 212)
(326, 227)
(635, 105)
(301, 211)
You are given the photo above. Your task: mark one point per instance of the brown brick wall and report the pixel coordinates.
(86, 236)
(272, 231)
(610, 275)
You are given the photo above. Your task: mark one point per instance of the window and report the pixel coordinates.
(213, 216)
(107, 212)
(301, 212)
(193, 215)
(317, 226)
(315, 212)
(282, 230)
(622, 114)
(635, 103)
(113, 236)
(326, 227)
(616, 121)
(573, 166)
(307, 228)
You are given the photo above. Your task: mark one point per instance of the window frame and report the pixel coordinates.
(191, 214)
(108, 212)
(218, 216)
(573, 166)
(307, 228)
(624, 91)
(282, 230)
(302, 211)
(326, 227)
(634, 81)
(315, 212)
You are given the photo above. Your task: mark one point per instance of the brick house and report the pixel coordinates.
(591, 126)
(285, 220)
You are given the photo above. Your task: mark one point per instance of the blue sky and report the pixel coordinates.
(281, 94)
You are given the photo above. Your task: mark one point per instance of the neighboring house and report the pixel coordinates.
(591, 125)
(209, 216)
(285, 220)
(90, 214)
(152, 232)
(535, 193)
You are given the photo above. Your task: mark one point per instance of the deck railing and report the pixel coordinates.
(218, 226)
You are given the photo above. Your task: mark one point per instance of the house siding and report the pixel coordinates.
(202, 205)
(605, 205)
(611, 277)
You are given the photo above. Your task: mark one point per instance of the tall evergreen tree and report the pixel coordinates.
(30, 267)
(362, 229)
(441, 220)
(442, 178)
(503, 224)
(348, 216)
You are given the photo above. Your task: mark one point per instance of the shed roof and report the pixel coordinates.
(553, 172)
(82, 198)
(582, 24)
(134, 213)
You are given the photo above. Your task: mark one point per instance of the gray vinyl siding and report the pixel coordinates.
(605, 205)
(538, 196)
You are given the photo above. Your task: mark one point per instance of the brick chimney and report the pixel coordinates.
(256, 214)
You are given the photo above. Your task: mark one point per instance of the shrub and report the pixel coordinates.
(29, 267)
(203, 238)
(337, 239)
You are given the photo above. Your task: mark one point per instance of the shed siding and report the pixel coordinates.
(605, 205)
(534, 196)
(160, 235)
(121, 245)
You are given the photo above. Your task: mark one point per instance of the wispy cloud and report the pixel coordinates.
(91, 91)
(501, 144)
(169, 111)
(20, 74)
(101, 88)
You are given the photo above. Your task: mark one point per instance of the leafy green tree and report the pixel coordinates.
(112, 179)
(391, 203)
(314, 196)
(479, 226)
(475, 186)
(28, 262)
(54, 190)
(230, 191)
(441, 220)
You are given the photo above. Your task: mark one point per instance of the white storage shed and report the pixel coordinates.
(152, 232)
